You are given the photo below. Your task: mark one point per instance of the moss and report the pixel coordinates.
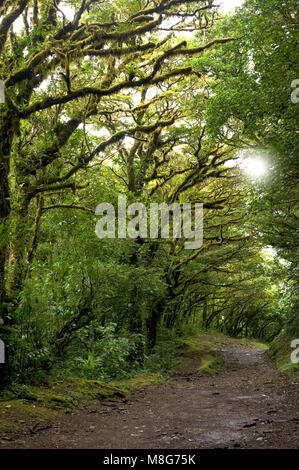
(72, 392)
(210, 365)
(203, 346)
(254, 343)
(259, 345)
(140, 381)
(63, 403)
(195, 345)
(14, 414)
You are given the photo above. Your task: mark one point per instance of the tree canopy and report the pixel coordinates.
(159, 101)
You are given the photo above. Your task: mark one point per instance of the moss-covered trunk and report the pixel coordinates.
(18, 245)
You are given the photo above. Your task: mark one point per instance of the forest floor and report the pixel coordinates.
(246, 404)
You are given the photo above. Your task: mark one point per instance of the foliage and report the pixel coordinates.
(102, 103)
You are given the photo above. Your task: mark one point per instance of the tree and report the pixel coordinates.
(64, 72)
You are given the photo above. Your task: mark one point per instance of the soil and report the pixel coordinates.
(248, 404)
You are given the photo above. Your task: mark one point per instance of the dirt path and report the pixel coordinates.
(249, 404)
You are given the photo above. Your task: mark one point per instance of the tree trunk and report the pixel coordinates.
(18, 245)
(152, 324)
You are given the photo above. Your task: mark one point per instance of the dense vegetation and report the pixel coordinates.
(159, 101)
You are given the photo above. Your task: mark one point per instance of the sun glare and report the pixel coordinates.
(230, 5)
(255, 167)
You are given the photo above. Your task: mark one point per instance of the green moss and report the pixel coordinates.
(210, 365)
(140, 381)
(196, 345)
(63, 403)
(257, 344)
(15, 413)
(203, 346)
(72, 392)
(254, 343)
